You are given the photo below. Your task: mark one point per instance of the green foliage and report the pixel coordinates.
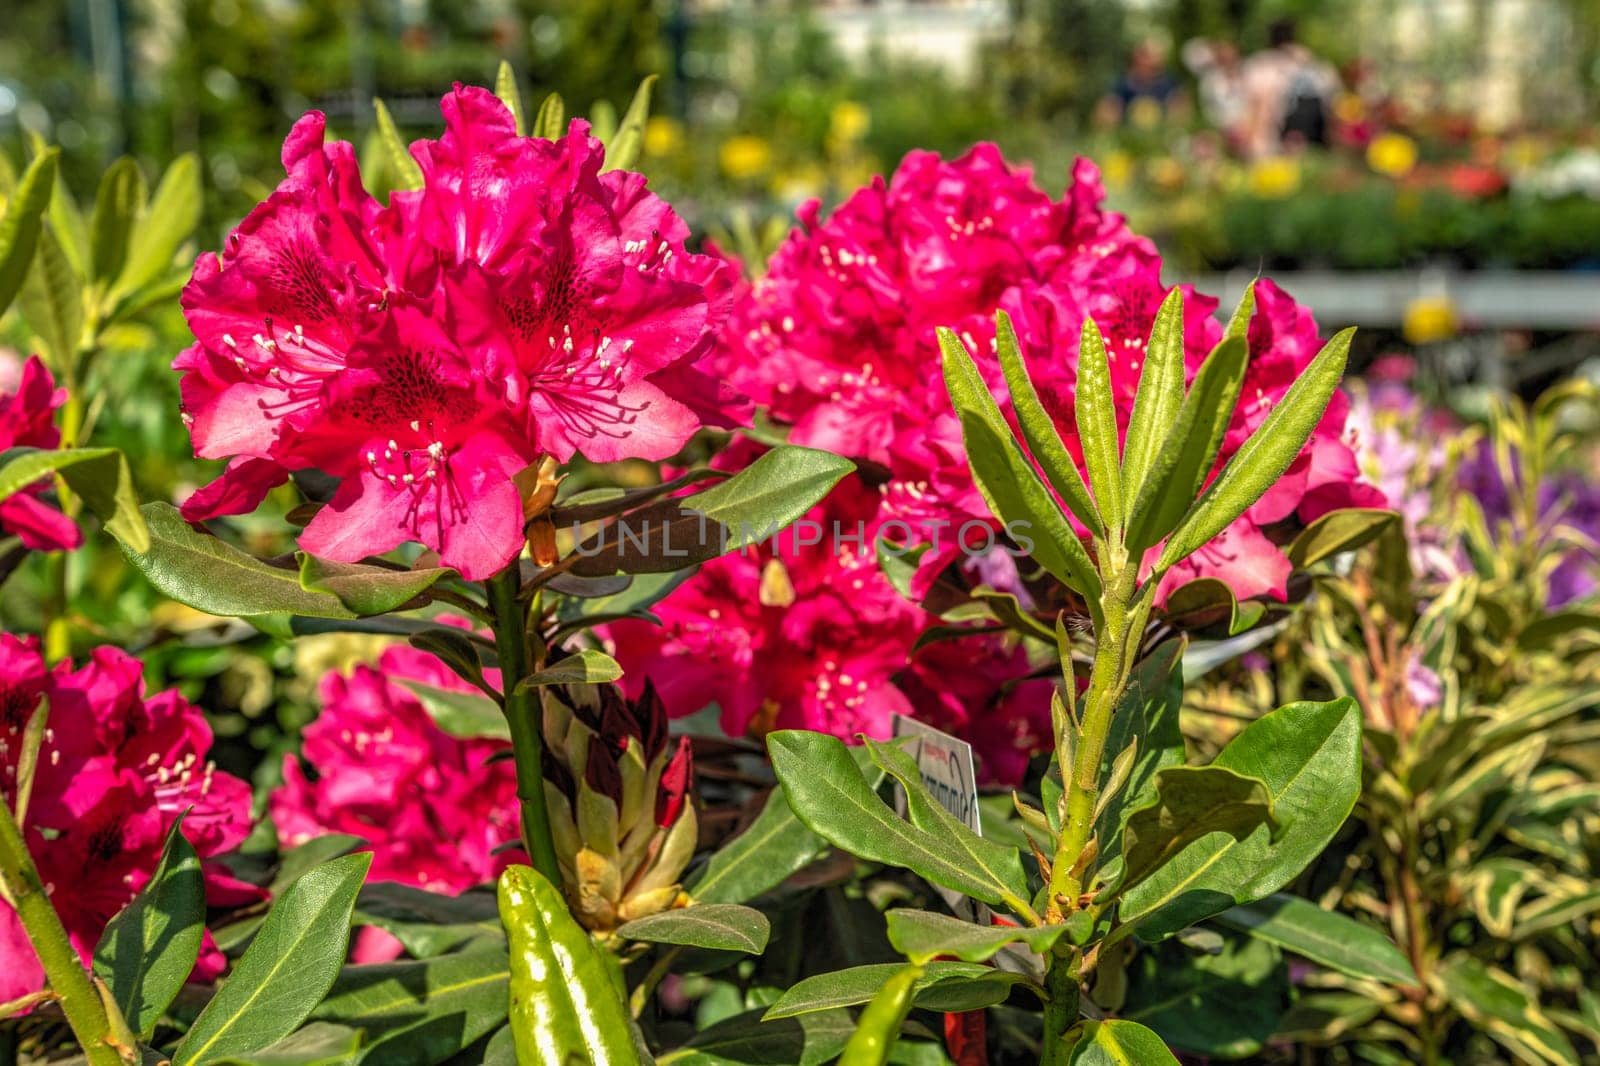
(714, 926)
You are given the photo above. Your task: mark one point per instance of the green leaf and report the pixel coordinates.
(318, 1044)
(1309, 756)
(429, 923)
(830, 796)
(367, 590)
(1007, 480)
(461, 714)
(1505, 1008)
(51, 300)
(746, 1040)
(940, 982)
(1206, 603)
(878, 1026)
(173, 214)
(583, 667)
(1146, 715)
(288, 968)
(1327, 937)
(921, 936)
(1119, 1043)
(1096, 413)
(505, 87)
(772, 848)
(714, 926)
(551, 121)
(117, 207)
(405, 172)
(1338, 531)
(22, 224)
(1263, 458)
(1219, 1005)
(421, 1012)
(998, 863)
(211, 575)
(100, 476)
(1160, 395)
(1180, 467)
(1039, 430)
(298, 861)
(622, 149)
(566, 997)
(1191, 803)
(149, 949)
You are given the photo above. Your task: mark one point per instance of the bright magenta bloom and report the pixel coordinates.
(838, 340)
(116, 769)
(519, 303)
(26, 421)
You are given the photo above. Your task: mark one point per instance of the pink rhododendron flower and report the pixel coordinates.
(519, 303)
(27, 421)
(436, 812)
(116, 769)
(838, 341)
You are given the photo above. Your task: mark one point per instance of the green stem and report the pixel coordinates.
(522, 715)
(82, 1005)
(1060, 1010)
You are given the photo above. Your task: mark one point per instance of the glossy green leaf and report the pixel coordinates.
(1330, 938)
(551, 121)
(623, 147)
(1505, 1008)
(405, 173)
(1039, 430)
(117, 207)
(566, 998)
(211, 575)
(878, 1027)
(99, 476)
(583, 667)
(940, 982)
(1309, 756)
(830, 796)
(22, 224)
(1336, 532)
(1185, 457)
(746, 1040)
(1006, 478)
(367, 590)
(1119, 1043)
(171, 218)
(467, 715)
(422, 1011)
(318, 1044)
(1095, 410)
(1159, 396)
(505, 87)
(302, 859)
(1191, 803)
(430, 923)
(288, 968)
(1263, 458)
(773, 847)
(51, 300)
(1221, 1003)
(922, 936)
(714, 926)
(148, 950)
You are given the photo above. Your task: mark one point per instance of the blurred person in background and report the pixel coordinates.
(1289, 96)
(1145, 93)
(1220, 76)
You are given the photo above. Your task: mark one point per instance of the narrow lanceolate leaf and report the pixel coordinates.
(1239, 321)
(418, 1012)
(22, 223)
(406, 173)
(149, 949)
(1505, 1008)
(99, 476)
(551, 120)
(923, 936)
(1096, 412)
(173, 214)
(51, 300)
(715, 926)
(1039, 430)
(1264, 457)
(117, 207)
(622, 149)
(829, 795)
(1334, 940)
(1007, 480)
(1191, 802)
(1155, 405)
(505, 87)
(566, 998)
(1180, 467)
(288, 968)
(1119, 1043)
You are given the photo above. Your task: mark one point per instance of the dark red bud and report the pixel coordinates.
(675, 781)
(602, 774)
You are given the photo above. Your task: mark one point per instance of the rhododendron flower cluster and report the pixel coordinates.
(115, 771)
(435, 810)
(838, 341)
(520, 303)
(27, 421)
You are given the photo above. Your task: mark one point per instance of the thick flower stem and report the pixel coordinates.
(522, 715)
(1060, 1010)
(85, 1011)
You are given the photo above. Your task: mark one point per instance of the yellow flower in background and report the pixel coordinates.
(1349, 108)
(1166, 173)
(1392, 154)
(1429, 319)
(1274, 179)
(1144, 113)
(745, 156)
(1117, 169)
(1523, 153)
(849, 121)
(663, 136)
